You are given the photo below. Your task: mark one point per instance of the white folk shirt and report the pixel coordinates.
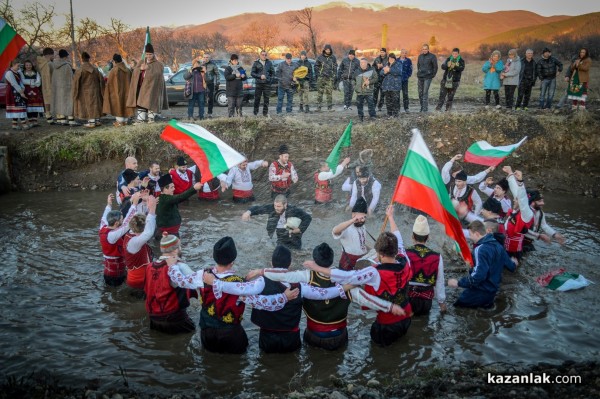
(504, 201)
(240, 179)
(329, 174)
(470, 179)
(353, 240)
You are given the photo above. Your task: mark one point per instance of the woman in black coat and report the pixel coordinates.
(234, 85)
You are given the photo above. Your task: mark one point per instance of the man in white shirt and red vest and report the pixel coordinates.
(282, 173)
(428, 271)
(323, 177)
(540, 230)
(353, 236)
(520, 220)
(112, 229)
(183, 178)
(239, 179)
(136, 251)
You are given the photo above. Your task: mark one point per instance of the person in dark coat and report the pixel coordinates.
(527, 79)
(407, 70)
(283, 220)
(346, 73)
(304, 84)
(427, 68)
(547, 68)
(263, 73)
(287, 83)
(392, 83)
(378, 63)
(453, 68)
(325, 72)
(483, 282)
(234, 86)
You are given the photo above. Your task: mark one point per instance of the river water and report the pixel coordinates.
(57, 314)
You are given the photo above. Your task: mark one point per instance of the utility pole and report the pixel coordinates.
(73, 48)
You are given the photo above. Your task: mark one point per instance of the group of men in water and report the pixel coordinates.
(397, 282)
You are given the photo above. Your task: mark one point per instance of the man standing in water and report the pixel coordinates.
(288, 222)
(353, 236)
(282, 173)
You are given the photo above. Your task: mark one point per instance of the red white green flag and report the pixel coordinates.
(10, 45)
(420, 186)
(148, 40)
(483, 153)
(344, 141)
(211, 155)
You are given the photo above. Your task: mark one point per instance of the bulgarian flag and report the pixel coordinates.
(211, 155)
(148, 40)
(344, 141)
(420, 186)
(483, 153)
(10, 45)
(561, 280)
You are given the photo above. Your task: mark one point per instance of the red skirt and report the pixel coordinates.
(16, 106)
(211, 196)
(35, 99)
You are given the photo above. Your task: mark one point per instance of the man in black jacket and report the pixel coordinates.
(378, 64)
(427, 68)
(346, 74)
(325, 72)
(213, 80)
(262, 72)
(547, 68)
(526, 80)
(453, 68)
(289, 232)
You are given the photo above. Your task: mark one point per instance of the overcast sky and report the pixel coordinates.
(184, 12)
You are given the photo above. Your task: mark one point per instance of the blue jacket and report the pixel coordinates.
(392, 81)
(406, 68)
(491, 80)
(490, 260)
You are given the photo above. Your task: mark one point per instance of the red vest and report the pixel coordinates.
(515, 229)
(108, 249)
(180, 184)
(225, 309)
(393, 288)
(424, 263)
(161, 298)
(136, 263)
(282, 186)
(323, 190)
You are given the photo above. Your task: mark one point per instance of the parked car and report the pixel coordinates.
(187, 65)
(167, 73)
(176, 85)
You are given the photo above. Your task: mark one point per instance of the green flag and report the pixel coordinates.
(343, 142)
(146, 42)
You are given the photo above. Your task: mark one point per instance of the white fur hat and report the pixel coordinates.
(421, 226)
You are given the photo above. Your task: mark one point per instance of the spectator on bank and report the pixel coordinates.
(263, 73)
(491, 81)
(427, 68)
(325, 72)
(305, 82)
(346, 74)
(547, 68)
(526, 80)
(366, 79)
(392, 82)
(510, 76)
(378, 64)
(195, 89)
(234, 86)
(453, 68)
(212, 79)
(45, 67)
(35, 100)
(115, 92)
(407, 70)
(579, 79)
(287, 83)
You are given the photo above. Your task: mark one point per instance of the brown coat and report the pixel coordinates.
(115, 92)
(152, 94)
(88, 89)
(45, 68)
(62, 83)
(584, 70)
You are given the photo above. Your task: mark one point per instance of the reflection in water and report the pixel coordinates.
(57, 314)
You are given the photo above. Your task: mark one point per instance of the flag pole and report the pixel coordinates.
(385, 220)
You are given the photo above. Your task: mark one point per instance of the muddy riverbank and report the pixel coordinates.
(562, 154)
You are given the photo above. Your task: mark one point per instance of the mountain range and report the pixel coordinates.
(361, 26)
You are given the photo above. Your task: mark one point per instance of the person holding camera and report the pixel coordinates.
(195, 89)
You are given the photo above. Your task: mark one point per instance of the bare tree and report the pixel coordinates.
(7, 13)
(117, 32)
(262, 36)
(304, 18)
(36, 27)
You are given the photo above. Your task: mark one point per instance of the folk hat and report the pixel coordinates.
(282, 257)
(168, 243)
(360, 206)
(492, 205)
(421, 226)
(129, 175)
(117, 58)
(224, 251)
(181, 161)
(503, 183)
(534, 195)
(149, 48)
(165, 180)
(283, 149)
(323, 255)
(462, 175)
